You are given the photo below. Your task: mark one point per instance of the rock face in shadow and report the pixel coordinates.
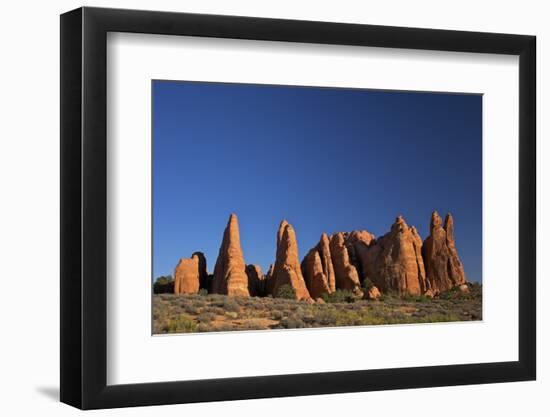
(286, 270)
(204, 278)
(256, 281)
(187, 276)
(443, 267)
(356, 242)
(346, 274)
(394, 261)
(230, 271)
(318, 270)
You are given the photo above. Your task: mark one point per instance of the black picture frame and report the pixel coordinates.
(84, 207)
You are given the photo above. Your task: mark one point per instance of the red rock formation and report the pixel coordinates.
(372, 293)
(229, 273)
(394, 261)
(314, 276)
(186, 276)
(346, 274)
(256, 280)
(286, 270)
(443, 267)
(318, 270)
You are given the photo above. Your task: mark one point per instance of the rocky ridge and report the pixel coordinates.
(398, 262)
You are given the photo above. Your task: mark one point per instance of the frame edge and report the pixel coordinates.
(70, 214)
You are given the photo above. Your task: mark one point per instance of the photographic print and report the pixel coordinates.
(294, 207)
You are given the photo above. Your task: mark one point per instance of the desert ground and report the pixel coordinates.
(189, 313)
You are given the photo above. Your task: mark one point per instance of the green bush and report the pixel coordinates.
(415, 298)
(340, 296)
(367, 284)
(287, 292)
(163, 284)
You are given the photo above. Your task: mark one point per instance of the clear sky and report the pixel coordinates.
(325, 159)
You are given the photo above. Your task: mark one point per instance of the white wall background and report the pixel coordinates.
(29, 210)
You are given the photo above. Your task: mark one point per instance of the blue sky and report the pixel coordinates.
(325, 159)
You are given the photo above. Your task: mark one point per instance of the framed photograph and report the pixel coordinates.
(258, 208)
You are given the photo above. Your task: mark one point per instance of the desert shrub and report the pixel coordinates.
(163, 285)
(407, 297)
(191, 309)
(165, 297)
(309, 318)
(200, 303)
(414, 298)
(231, 315)
(203, 292)
(292, 322)
(253, 324)
(422, 299)
(217, 310)
(438, 317)
(286, 292)
(244, 301)
(231, 305)
(205, 327)
(206, 317)
(326, 317)
(367, 284)
(180, 324)
(358, 305)
(339, 296)
(257, 305)
(224, 327)
(277, 315)
(216, 299)
(454, 294)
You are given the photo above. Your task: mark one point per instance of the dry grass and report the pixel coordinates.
(210, 313)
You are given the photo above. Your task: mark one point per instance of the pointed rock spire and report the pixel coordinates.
(286, 270)
(345, 273)
(280, 231)
(443, 267)
(229, 273)
(315, 278)
(318, 269)
(394, 261)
